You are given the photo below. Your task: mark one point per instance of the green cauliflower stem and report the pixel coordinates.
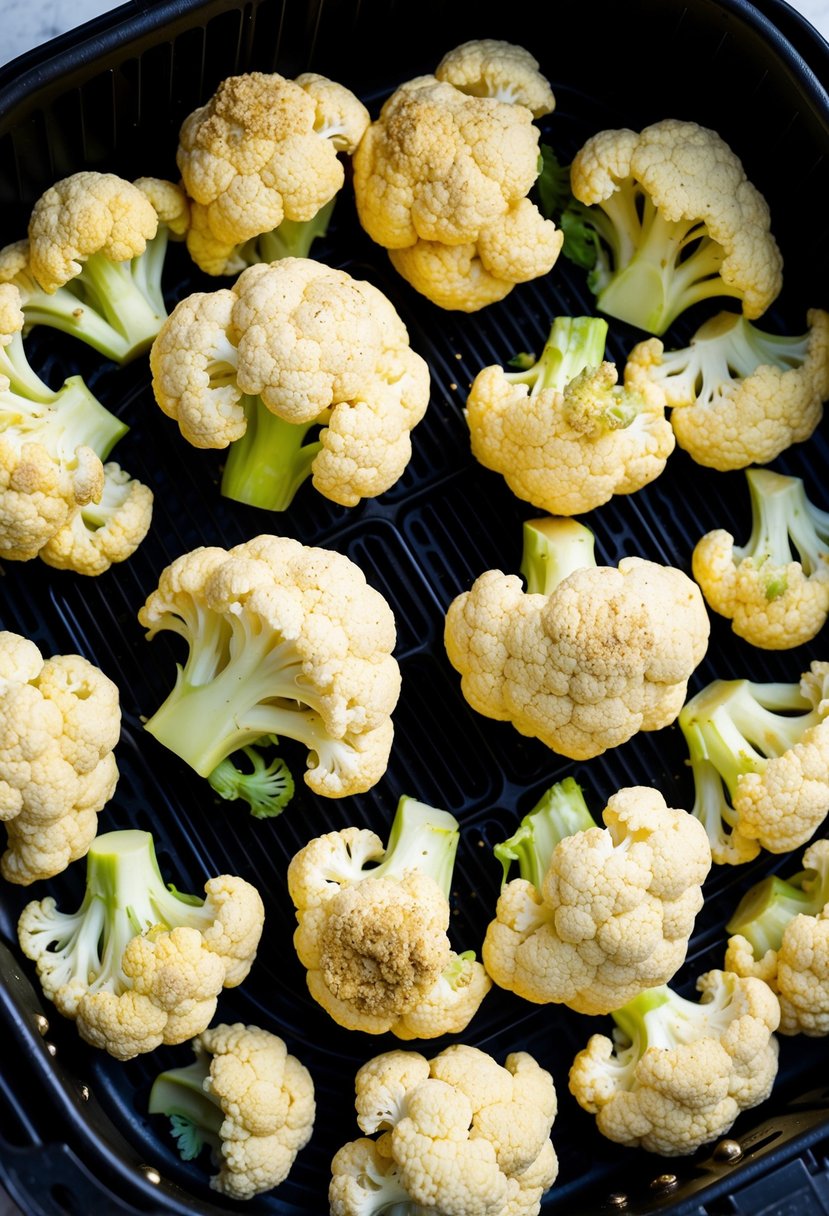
(552, 548)
(266, 466)
(291, 239)
(61, 420)
(561, 811)
(195, 1114)
(764, 912)
(782, 517)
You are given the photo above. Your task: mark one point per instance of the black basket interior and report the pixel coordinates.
(114, 101)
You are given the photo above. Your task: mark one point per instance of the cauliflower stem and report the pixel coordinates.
(61, 420)
(268, 463)
(552, 548)
(290, 239)
(766, 909)
(267, 786)
(561, 811)
(783, 516)
(195, 1114)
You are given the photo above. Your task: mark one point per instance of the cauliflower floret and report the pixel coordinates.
(780, 933)
(597, 914)
(61, 721)
(677, 222)
(759, 756)
(459, 1134)
(374, 937)
(283, 639)
(260, 162)
(676, 1074)
(441, 177)
(138, 964)
(563, 434)
(587, 655)
(737, 394)
(773, 599)
(305, 372)
(246, 1097)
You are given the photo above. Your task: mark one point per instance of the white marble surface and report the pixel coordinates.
(26, 24)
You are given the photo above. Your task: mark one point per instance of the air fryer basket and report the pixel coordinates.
(74, 1133)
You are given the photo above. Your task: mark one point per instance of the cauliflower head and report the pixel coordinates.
(678, 1072)
(780, 933)
(260, 162)
(458, 1134)
(372, 927)
(739, 395)
(247, 1098)
(61, 721)
(612, 910)
(138, 964)
(564, 434)
(677, 222)
(586, 660)
(442, 177)
(283, 639)
(303, 371)
(775, 588)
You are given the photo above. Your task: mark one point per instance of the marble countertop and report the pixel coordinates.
(26, 25)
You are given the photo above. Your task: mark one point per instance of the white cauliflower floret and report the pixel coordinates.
(564, 435)
(441, 177)
(598, 914)
(677, 222)
(587, 655)
(283, 639)
(304, 372)
(246, 1097)
(372, 927)
(261, 164)
(677, 1073)
(459, 1133)
(61, 721)
(138, 964)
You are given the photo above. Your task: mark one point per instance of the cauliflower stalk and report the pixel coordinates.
(372, 927)
(779, 932)
(61, 720)
(58, 499)
(586, 655)
(442, 177)
(247, 1098)
(458, 1134)
(267, 786)
(775, 588)
(93, 260)
(759, 757)
(138, 964)
(597, 914)
(283, 639)
(738, 394)
(677, 1072)
(677, 223)
(562, 432)
(300, 371)
(261, 163)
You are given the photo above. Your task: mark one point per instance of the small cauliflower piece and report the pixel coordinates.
(303, 371)
(598, 914)
(677, 221)
(459, 1134)
(563, 433)
(93, 260)
(441, 177)
(138, 964)
(247, 1098)
(372, 927)
(774, 599)
(779, 933)
(739, 395)
(759, 756)
(677, 1073)
(261, 164)
(583, 656)
(61, 721)
(58, 501)
(283, 639)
